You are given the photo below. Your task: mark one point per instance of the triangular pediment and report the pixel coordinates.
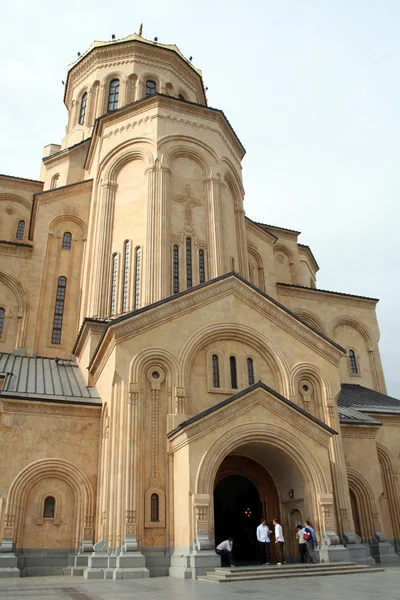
(271, 406)
(228, 285)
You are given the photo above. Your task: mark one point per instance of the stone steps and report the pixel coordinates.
(229, 574)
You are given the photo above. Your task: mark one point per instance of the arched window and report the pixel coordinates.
(181, 97)
(49, 507)
(59, 310)
(66, 243)
(55, 181)
(232, 366)
(189, 278)
(176, 268)
(215, 370)
(138, 261)
(82, 111)
(125, 286)
(2, 316)
(114, 275)
(155, 508)
(353, 362)
(20, 230)
(250, 371)
(202, 270)
(151, 87)
(113, 94)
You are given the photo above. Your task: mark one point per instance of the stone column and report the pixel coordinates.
(102, 244)
(216, 259)
(241, 242)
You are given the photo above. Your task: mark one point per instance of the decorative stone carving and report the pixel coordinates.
(188, 201)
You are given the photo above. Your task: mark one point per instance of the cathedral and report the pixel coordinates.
(169, 370)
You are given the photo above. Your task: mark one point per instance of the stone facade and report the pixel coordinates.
(212, 352)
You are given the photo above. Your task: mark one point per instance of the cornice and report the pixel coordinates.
(15, 249)
(358, 431)
(176, 306)
(303, 249)
(389, 420)
(262, 234)
(60, 410)
(20, 183)
(183, 437)
(298, 291)
(62, 155)
(120, 119)
(131, 51)
(88, 327)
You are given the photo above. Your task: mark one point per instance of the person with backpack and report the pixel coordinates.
(310, 539)
(302, 544)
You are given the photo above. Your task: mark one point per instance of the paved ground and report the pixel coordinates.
(381, 586)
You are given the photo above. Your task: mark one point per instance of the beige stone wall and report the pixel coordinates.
(37, 431)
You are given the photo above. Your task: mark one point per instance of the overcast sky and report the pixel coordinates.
(311, 88)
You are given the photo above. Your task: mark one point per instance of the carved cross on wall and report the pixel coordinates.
(188, 201)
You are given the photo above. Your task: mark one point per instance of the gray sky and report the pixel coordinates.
(311, 87)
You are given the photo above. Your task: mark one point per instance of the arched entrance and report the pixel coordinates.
(244, 492)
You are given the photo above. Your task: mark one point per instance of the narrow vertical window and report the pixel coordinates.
(66, 243)
(55, 182)
(59, 310)
(155, 508)
(151, 88)
(125, 285)
(232, 365)
(20, 230)
(202, 271)
(114, 274)
(2, 316)
(82, 110)
(353, 362)
(49, 508)
(176, 268)
(250, 371)
(138, 262)
(113, 94)
(189, 278)
(215, 370)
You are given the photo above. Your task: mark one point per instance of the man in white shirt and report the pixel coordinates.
(263, 533)
(224, 550)
(280, 540)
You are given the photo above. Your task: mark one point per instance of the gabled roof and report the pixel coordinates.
(48, 379)
(190, 292)
(252, 388)
(366, 400)
(351, 416)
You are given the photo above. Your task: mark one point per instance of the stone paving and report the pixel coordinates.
(364, 587)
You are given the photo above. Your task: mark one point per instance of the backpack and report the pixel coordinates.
(307, 534)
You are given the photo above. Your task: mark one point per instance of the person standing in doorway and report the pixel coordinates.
(311, 539)
(225, 551)
(302, 544)
(280, 540)
(263, 533)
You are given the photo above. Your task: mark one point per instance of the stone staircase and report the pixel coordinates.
(231, 574)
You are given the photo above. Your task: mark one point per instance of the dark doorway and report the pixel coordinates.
(237, 511)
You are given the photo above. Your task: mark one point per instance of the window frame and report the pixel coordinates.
(53, 507)
(114, 281)
(2, 321)
(215, 372)
(138, 275)
(82, 108)
(175, 269)
(59, 308)
(20, 233)
(126, 276)
(189, 262)
(113, 95)
(153, 91)
(233, 375)
(250, 370)
(202, 266)
(66, 241)
(353, 363)
(155, 508)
